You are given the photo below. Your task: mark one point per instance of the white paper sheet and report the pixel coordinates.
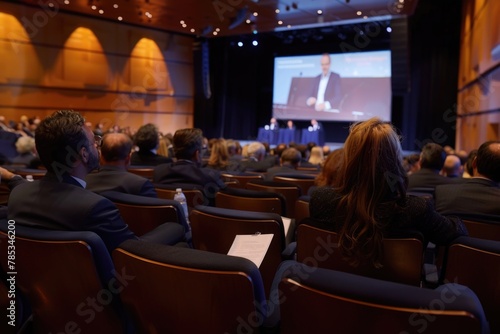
(286, 224)
(253, 247)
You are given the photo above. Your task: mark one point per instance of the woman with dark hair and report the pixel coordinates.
(330, 168)
(368, 199)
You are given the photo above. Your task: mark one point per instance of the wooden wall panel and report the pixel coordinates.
(478, 98)
(123, 74)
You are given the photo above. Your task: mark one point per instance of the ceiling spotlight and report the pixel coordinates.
(277, 11)
(359, 13)
(255, 43)
(192, 30)
(319, 12)
(101, 11)
(120, 18)
(94, 7)
(115, 5)
(240, 44)
(280, 22)
(389, 29)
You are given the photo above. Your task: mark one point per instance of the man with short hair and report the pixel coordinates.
(147, 140)
(187, 169)
(478, 195)
(59, 201)
(113, 175)
(289, 161)
(257, 160)
(452, 166)
(326, 92)
(431, 161)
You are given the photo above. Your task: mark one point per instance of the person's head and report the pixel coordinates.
(147, 137)
(316, 157)
(370, 175)
(256, 150)
(469, 166)
(289, 124)
(411, 163)
(314, 122)
(488, 160)
(219, 155)
(116, 149)
(188, 144)
(273, 121)
(291, 156)
(163, 146)
(432, 157)
(330, 169)
(278, 150)
(233, 147)
(452, 166)
(325, 63)
(65, 145)
(25, 144)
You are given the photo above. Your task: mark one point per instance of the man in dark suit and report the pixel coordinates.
(257, 161)
(187, 169)
(147, 139)
(59, 201)
(113, 175)
(289, 161)
(478, 195)
(432, 160)
(326, 92)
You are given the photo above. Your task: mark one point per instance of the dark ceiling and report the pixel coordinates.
(233, 17)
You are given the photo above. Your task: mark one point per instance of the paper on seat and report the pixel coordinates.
(252, 247)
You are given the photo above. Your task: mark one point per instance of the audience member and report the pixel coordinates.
(256, 160)
(59, 201)
(164, 147)
(304, 162)
(326, 150)
(330, 170)
(219, 158)
(187, 169)
(452, 166)
(289, 161)
(147, 139)
(113, 175)
(468, 170)
(25, 146)
(234, 150)
(316, 157)
(431, 162)
(369, 198)
(411, 163)
(479, 194)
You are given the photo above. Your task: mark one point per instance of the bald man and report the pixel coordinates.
(452, 166)
(113, 175)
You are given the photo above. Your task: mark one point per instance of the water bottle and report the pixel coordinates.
(181, 198)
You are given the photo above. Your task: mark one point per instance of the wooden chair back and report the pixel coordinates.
(403, 257)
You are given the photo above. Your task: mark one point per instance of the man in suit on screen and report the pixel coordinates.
(326, 92)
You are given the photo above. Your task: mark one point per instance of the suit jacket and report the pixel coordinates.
(333, 91)
(64, 205)
(184, 171)
(427, 178)
(148, 158)
(259, 166)
(285, 169)
(475, 196)
(114, 178)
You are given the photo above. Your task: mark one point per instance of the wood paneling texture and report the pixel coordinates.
(479, 75)
(110, 72)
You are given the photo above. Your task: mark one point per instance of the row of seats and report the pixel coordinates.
(149, 288)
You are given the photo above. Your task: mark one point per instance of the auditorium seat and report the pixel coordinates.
(402, 262)
(180, 290)
(304, 181)
(251, 200)
(144, 214)
(214, 230)
(67, 276)
(290, 191)
(347, 303)
(242, 178)
(475, 263)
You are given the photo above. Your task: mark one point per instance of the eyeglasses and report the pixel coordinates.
(98, 140)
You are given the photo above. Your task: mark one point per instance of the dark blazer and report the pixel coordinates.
(476, 196)
(259, 166)
(333, 92)
(184, 171)
(64, 205)
(114, 178)
(148, 158)
(285, 169)
(427, 178)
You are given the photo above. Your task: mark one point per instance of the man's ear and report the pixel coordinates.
(84, 154)
(197, 155)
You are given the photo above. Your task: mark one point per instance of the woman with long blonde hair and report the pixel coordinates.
(368, 198)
